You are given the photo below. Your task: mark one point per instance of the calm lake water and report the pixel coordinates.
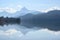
(18, 32)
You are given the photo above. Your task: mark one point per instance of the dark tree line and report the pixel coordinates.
(9, 20)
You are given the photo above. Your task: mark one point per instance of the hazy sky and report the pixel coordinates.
(30, 4)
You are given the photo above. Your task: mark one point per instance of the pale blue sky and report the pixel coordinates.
(30, 4)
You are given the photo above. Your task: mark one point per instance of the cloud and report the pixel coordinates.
(43, 34)
(18, 8)
(50, 9)
(7, 9)
(32, 35)
(10, 33)
(11, 9)
(51, 32)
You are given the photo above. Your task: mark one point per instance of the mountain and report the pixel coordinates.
(6, 14)
(22, 12)
(27, 16)
(25, 11)
(54, 14)
(19, 13)
(35, 12)
(49, 20)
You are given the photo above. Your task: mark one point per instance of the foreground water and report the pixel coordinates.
(18, 32)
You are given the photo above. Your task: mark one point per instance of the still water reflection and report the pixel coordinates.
(19, 32)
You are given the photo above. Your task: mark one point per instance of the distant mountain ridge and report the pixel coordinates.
(21, 12)
(52, 14)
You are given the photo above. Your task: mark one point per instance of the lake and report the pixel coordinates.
(19, 32)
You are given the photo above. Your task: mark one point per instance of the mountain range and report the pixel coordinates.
(19, 13)
(49, 20)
